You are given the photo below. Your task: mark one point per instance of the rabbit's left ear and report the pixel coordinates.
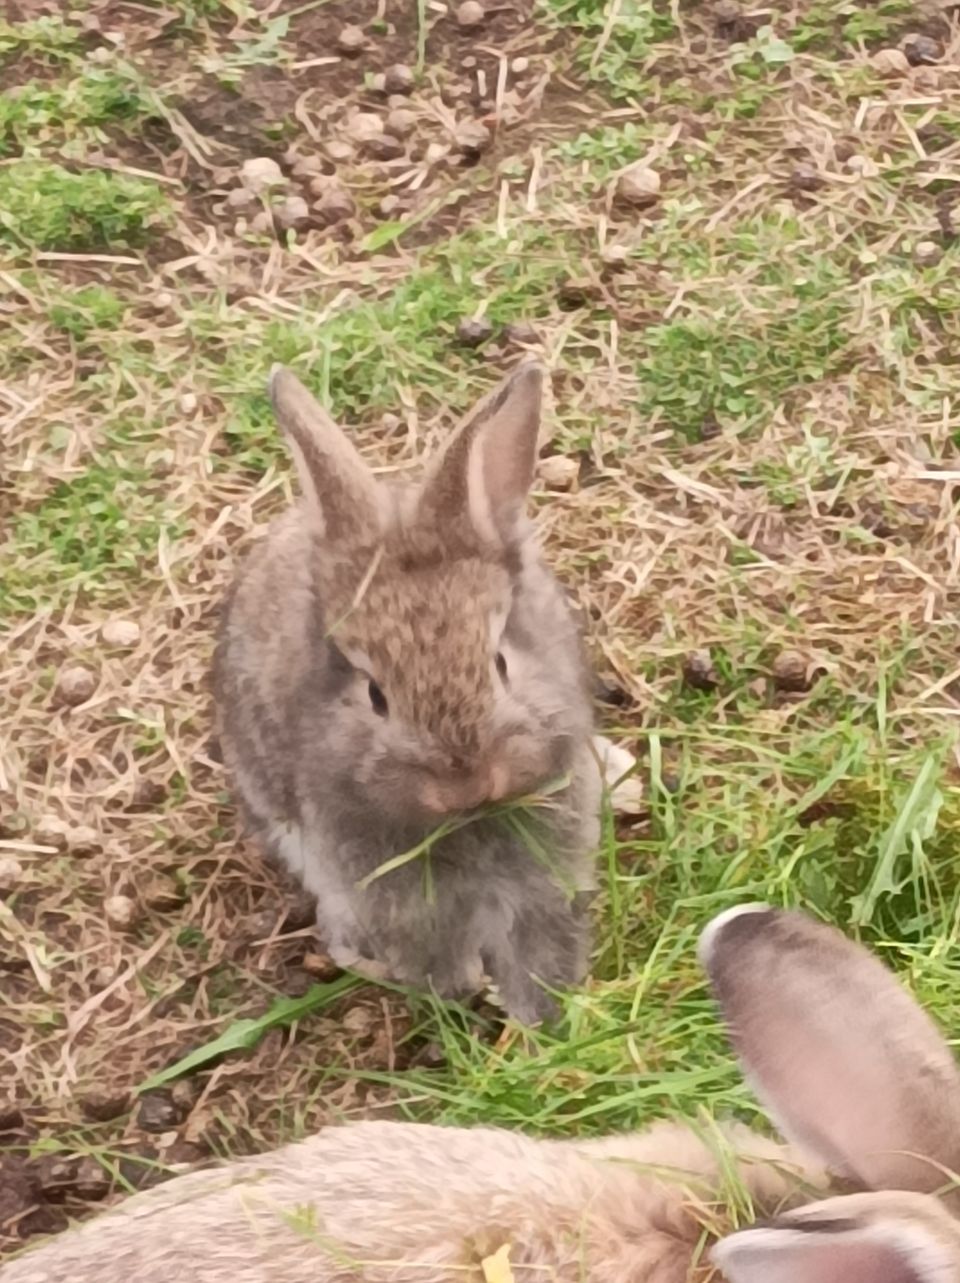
(844, 1061)
(482, 476)
(836, 1251)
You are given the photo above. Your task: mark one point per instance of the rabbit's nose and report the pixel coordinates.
(464, 792)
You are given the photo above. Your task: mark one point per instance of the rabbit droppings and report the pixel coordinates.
(392, 656)
(855, 1074)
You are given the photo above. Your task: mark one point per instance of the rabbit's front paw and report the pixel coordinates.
(524, 1001)
(369, 968)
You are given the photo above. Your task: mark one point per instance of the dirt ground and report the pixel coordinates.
(135, 922)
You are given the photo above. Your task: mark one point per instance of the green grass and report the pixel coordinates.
(70, 112)
(47, 207)
(751, 363)
(614, 45)
(94, 530)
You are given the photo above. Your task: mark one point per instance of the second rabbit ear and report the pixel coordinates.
(836, 1251)
(843, 1059)
(482, 476)
(332, 474)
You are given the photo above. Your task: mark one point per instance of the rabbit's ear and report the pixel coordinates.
(331, 471)
(841, 1056)
(836, 1251)
(483, 474)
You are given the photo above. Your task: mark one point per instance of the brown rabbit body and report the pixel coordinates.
(851, 1067)
(391, 658)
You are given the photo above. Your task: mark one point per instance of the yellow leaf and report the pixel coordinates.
(496, 1268)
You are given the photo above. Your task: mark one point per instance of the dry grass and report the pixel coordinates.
(803, 500)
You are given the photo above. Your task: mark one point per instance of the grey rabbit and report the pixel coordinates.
(855, 1074)
(393, 656)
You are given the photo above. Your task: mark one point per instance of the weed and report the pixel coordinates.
(45, 206)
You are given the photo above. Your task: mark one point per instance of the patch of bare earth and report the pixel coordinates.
(135, 922)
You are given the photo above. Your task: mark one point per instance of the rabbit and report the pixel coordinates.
(393, 657)
(845, 1061)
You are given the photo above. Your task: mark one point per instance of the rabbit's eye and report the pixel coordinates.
(502, 667)
(378, 701)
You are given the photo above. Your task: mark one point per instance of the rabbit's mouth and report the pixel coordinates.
(519, 767)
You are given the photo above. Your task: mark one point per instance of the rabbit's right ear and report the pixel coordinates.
(331, 471)
(841, 1056)
(480, 480)
(836, 1251)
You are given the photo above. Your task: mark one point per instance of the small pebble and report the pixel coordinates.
(121, 911)
(805, 178)
(520, 65)
(521, 333)
(11, 874)
(401, 122)
(339, 150)
(80, 839)
(75, 685)
(927, 253)
(90, 1180)
(162, 894)
(364, 125)
(890, 62)
(292, 213)
(922, 51)
(240, 198)
(260, 172)
(307, 166)
(125, 633)
(863, 165)
(383, 147)
(359, 1020)
(51, 830)
(558, 472)
(791, 671)
(163, 300)
(352, 41)
(104, 1106)
(335, 204)
(470, 15)
(262, 223)
(472, 138)
(399, 79)
(320, 965)
(389, 205)
(616, 256)
(188, 403)
(472, 331)
(56, 1176)
(638, 186)
(726, 11)
(436, 152)
(158, 1112)
(699, 671)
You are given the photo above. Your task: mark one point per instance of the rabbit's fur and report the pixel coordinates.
(846, 1061)
(391, 657)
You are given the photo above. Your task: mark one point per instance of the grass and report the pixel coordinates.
(48, 207)
(756, 377)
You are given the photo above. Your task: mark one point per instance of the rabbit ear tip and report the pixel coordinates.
(740, 919)
(277, 372)
(529, 371)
